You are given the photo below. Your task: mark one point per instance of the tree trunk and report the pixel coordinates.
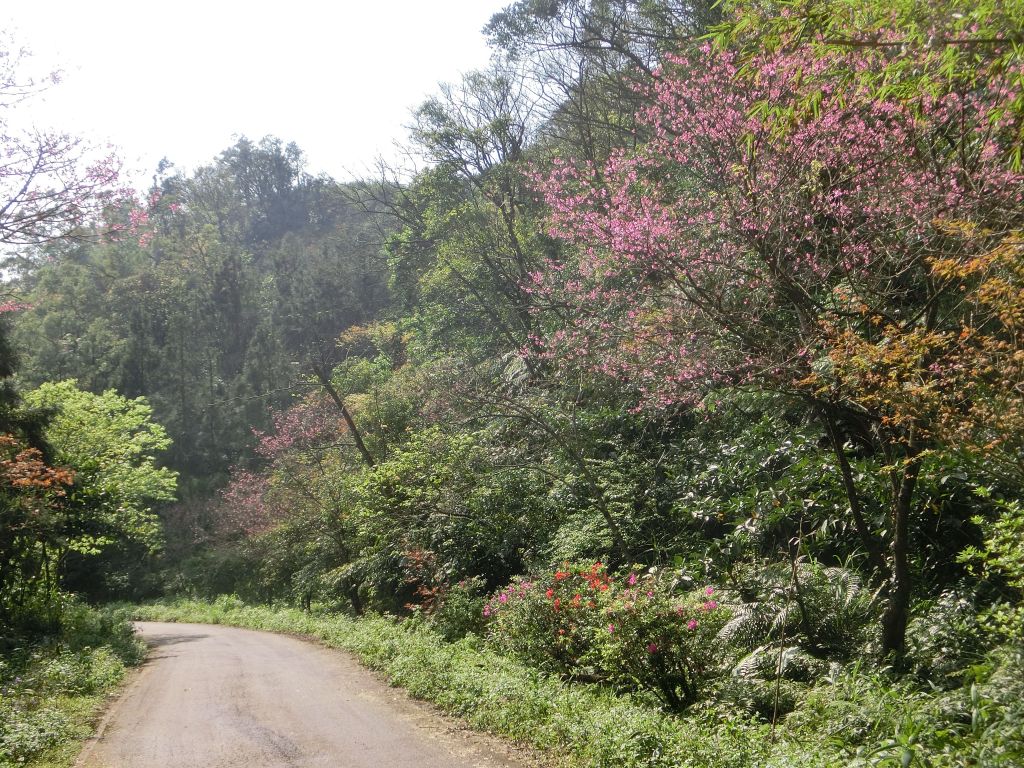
(897, 609)
(871, 544)
(325, 381)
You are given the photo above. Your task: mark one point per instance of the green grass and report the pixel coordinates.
(53, 689)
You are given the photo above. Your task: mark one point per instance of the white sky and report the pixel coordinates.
(182, 79)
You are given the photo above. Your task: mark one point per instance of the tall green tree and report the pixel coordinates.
(111, 444)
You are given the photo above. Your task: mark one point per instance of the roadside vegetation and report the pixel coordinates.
(849, 716)
(53, 687)
(670, 412)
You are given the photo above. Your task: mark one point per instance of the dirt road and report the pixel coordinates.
(219, 697)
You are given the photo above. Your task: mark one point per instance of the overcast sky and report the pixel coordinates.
(181, 79)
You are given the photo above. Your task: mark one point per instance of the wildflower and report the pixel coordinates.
(652, 648)
(560, 575)
(611, 627)
(558, 603)
(710, 605)
(691, 624)
(709, 591)
(487, 610)
(650, 593)
(502, 598)
(550, 593)
(631, 580)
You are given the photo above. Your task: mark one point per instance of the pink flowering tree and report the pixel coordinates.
(245, 506)
(50, 183)
(310, 424)
(732, 251)
(255, 501)
(297, 454)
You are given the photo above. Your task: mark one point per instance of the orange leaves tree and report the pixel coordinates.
(960, 384)
(32, 523)
(946, 386)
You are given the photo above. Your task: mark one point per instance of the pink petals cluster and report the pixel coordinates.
(244, 505)
(310, 422)
(7, 307)
(143, 217)
(699, 256)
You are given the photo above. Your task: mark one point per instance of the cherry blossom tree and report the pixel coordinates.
(255, 501)
(730, 250)
(50, 183)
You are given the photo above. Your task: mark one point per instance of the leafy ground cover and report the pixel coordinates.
(53, 688)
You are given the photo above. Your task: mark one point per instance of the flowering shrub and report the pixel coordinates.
(634, 631)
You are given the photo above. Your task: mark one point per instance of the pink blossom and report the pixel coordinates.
(308, 423)
(696, 235)
(245, 505)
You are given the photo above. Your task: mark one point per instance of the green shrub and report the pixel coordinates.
(27, 731)
(944, 639)
(460, 610)
(80, 672)
(1002, 560)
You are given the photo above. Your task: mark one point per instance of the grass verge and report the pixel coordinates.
(53, 689)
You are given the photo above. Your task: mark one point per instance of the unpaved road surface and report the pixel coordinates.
(220, 697)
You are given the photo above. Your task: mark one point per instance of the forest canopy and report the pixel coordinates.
(689, 365)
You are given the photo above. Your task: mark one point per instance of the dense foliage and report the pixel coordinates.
(687, 371)
(51, 691)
